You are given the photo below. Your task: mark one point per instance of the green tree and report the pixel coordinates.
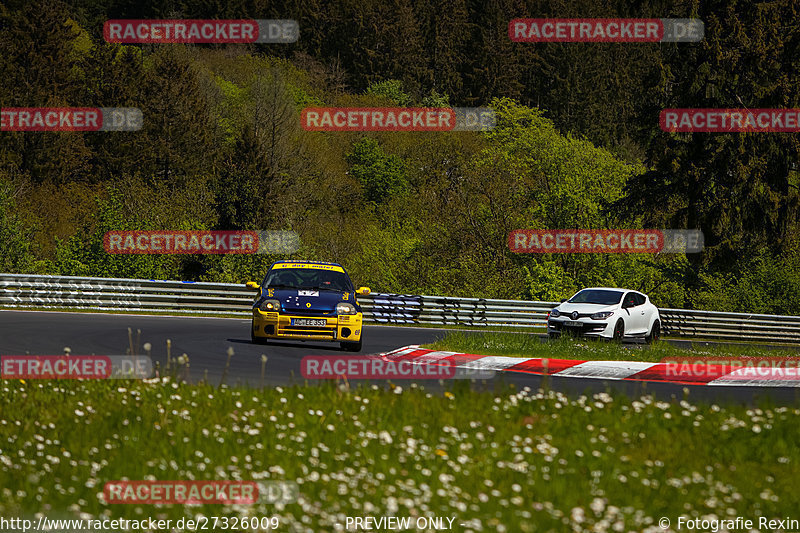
(15, 238)
(740, 189)
(177, 119)
(391, 90)
(381, 175)
(42, 53)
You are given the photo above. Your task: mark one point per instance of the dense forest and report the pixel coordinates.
(577, 145)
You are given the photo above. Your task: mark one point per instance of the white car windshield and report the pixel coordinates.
(596, 296)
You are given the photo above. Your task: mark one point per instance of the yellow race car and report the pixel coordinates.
(307, 300)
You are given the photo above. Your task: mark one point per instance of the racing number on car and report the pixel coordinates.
(346, 296)
(271, 292)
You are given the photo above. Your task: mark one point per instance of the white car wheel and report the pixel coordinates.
(655, 333)
(619, 330)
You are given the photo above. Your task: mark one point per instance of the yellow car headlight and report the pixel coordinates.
(270, 305)
(344, 308)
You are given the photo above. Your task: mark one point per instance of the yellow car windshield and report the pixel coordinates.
(307, 278)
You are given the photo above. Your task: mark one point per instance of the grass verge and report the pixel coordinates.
(507, 461)
(516, 345)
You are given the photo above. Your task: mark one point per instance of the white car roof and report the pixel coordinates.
(612, 289)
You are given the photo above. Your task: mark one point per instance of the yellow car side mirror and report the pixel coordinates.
(252, 285)
(363, 291)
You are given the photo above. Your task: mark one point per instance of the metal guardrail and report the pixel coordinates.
(180, 297)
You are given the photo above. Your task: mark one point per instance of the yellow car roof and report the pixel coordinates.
(319, 266)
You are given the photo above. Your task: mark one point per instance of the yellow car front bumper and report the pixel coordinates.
(273, 325)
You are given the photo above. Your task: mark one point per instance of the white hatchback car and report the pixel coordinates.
(606, 313)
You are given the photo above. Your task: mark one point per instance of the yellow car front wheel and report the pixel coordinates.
(256, 340)
(351, 346)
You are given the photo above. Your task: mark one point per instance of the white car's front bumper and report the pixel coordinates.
(587, 327)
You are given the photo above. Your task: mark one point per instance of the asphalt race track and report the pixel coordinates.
(206, 341)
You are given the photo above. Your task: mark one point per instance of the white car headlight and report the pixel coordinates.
(555, 313)
(270, 305)
(344, 308)
(602, 315)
